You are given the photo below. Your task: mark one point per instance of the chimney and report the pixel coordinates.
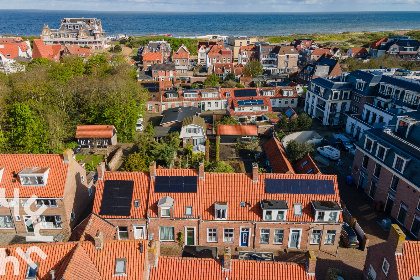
(254, 172)
(153, 252)
(99, 240)
(67, 155)
(52, 272)
(310, 263)
(101, 170)
(227, 259)
(201, 170)
(396, 239)
(152, 169)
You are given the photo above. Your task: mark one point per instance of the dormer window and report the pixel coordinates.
(360, 85)
(274, 210)
(120, 266)
(34, 176)
(220, 210)
(31, 271)
(399, 163)
(172, 95)
(381, 152)
(165, 204)
(368, 144)
(326, 211)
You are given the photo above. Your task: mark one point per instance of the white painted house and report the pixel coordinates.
(193, 132)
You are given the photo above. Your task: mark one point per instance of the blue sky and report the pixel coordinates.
(216, 5)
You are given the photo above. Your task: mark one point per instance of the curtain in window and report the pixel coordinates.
(166, 233)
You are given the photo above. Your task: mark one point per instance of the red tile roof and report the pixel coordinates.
(94, 131)
(11, 50)
(220, 68)
(277, 157)
(408, 264)
(40, 50)
(219, 50)
(232, 129)
(378, 42)
(14, 163)
(175, 268)
(76, 49)
(140, 192)
(359, 51)
(248, 48)
(89, 227)
(321, 52)
(233, 103)
(181, 53)
(152, 57)
(307, 166)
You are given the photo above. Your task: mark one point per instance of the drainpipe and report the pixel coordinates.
(11, 214)
(255, 234)
(198, 229)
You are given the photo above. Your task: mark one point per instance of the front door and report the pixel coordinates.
(203, 106)
(190, 236)
(362, 181)
(139, 232)
(294, 239)
(28, 223)
(372, 190)
(244, 237)
(389, 204)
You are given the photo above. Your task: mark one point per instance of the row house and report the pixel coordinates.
(203, 47)
(60, 186)
(268, 57)
(163, 72)
(403, 47)
(377, 98)
(204, 99)
(249, 109)
(385, 167)
(150, 59)
(162, 47)
(173, 205)
(85, 32)
(397, 258)
(222, 69)
(281, 97)
(328, 101)
(247, 54)
(218, 54)
(236, 44)
(287, 59)
(181, 59)
(325, 67)
(301, 44)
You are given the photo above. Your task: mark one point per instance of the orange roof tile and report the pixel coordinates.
(80, 266)
(176, 268)
(408, 264)
(89, 227)
(40, 50)
(377, 43)
(233, 102)
(152, 57)
(307, 166)
(321, 52)
(11, 50)
(76, 49)
(220, 68)
(359, 51)
(94, 131)
(140, 191)
(232, 129)
(14, 163)
(181, 53)
(277, 157)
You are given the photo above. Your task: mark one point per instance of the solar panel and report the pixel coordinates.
(289, 113)
(250, 102)
(245, 92)
(176, 184)
(299, 186)
(116, 199)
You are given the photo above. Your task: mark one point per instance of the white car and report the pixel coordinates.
(139, 125)
(329, 152)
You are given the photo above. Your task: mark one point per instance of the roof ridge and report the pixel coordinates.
(67, 274)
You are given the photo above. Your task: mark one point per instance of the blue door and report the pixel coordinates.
(244, 237)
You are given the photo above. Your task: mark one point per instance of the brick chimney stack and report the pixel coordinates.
(152, 169)
(310, 263)
(67, 155)
(101, 170)
(99, 240)
(227, 259)
(254, 172)
(201, 170)
(396, 239)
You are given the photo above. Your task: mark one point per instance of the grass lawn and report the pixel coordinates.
(92, 163)
(81, 158)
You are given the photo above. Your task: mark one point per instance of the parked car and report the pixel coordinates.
(329, 152)
(139, 125)
(344, 142)
(349, 237)
(77, 149)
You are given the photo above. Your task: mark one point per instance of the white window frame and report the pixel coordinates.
(27, 277)
(403, 165)
(6, 222)
(301, 209)
(161, 212)
(186, 210)
(276, 233)
(265, 233)
(312, 234)
(43, 224)
(119, 231)
(385, 270)
(173, 229)
(125, 267)
(208, 235)
(326, 234)
(224, 235)
(371, 147)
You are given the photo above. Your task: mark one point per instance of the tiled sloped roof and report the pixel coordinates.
(45, 51)
(94, 131)
(80, 266)
(283, 50)
(377, 43)
(232, 129)
(88, 228)
(360, 51)
(218, 50)
(308, 166)
(176, 268)
(233, 102)
(220, 68)
(11, 50)
(181, 53)
(14, 163)
(321, 52)
(76, 49)
(152, 57)
(234, 189)
(277, 157)
(408, 264)
(140, 192)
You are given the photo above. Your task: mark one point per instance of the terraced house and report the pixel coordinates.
(59, 183)
(386, 167)
(243, 211)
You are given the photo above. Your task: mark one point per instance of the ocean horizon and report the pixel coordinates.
(30, 22)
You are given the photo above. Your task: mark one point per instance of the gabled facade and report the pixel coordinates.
(52, 51)
(247, 54)
(193, 132)
(181, 57)
(236, 44)
(325, 67)
(218, 54)
(96, 136)
(357, 53)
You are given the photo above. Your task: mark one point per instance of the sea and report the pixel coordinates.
(30, 22)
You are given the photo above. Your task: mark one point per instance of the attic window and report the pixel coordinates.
(120, 266)
(304, 163)
(220, 210)
(32, 271)
(243, 204)
(34, 176)
(297, 209)
(136, 203)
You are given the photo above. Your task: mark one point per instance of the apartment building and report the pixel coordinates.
(162, 47)
(268, 56)
(404, 47)
(385, 167)
(287, 59)
(235, 44)
(281, 97)
(218, 54)
(59, 183)
(196, 206)
(203, 47)
(247, 54)
(324, 67)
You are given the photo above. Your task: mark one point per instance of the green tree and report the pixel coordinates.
(194, 86)
(219, 167)
(115, 48)
(282, 123)
(230, 77)
(228, 84)
(97, 63)
(74, 63)
(225, 120)
(253, 69)
(304, 121)
(135, 162)
(293, 123)
(239, 85)
(212, 80)
(296, 151)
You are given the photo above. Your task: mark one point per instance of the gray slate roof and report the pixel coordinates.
(178, 114)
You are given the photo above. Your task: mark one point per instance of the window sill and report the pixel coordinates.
(167, 240)
(274, 243)
(119, 274)
(211, 241)
(395, 191)
(315, 244)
